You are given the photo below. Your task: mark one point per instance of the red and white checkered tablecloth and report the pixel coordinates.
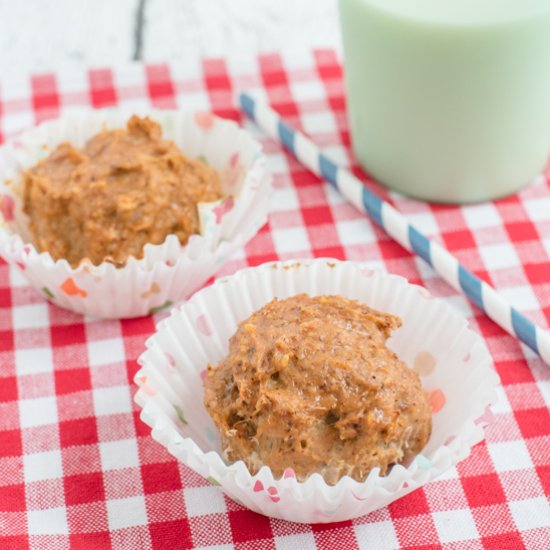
(78, 468)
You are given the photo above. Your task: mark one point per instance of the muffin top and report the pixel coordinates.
(309, 384)
(124, 189)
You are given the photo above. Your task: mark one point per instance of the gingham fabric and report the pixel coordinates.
(78, 469)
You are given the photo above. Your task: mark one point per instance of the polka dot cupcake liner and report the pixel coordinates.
(168, 272)
(452, 361)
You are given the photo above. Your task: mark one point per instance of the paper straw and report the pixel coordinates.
(396, 225)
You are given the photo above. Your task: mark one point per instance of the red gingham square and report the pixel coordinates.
(142, 326)
(12, 498)
(6, 341)
(8, 388)
(536, 273)
(62, 335)
(5, 300)
(81, 431)
(141, 429)
(15, 542)
(160, 477)
(318, 215)
(543, 473)
(215, 74)
(522, 231)
(83, 488)
(85, 541)
(392, 251)
(73, 380)
(533, 422)
(171, 534)
(411, 506)
(60, 487)
(328, 65)
(508, 541)
(159, 83)
(483, 490)
(514, 372)
(45, 96)
(249, 526)
(102, 88)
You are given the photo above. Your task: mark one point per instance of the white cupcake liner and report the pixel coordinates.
(168, 272)
(452, 360)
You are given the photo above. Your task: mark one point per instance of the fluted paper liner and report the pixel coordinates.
(168, 272)
(453, 362)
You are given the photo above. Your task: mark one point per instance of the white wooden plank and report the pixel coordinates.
(36, 35)
(180, 29)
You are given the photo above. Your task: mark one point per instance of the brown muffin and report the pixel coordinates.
(124, 189)
(309, 384)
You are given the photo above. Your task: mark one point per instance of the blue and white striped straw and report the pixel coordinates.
(396, 225)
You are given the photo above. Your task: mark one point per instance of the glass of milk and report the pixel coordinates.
(449, 100)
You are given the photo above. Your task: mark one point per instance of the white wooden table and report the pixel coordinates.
(37, 36)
